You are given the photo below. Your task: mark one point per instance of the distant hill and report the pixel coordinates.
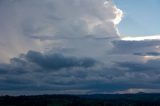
(139, 99)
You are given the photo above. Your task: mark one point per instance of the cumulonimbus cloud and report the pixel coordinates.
(46, 24)
(68, 46)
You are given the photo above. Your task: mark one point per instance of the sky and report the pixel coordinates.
(141, 17)
(79, 47)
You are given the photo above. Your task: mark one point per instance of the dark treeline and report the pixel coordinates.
(82, 100)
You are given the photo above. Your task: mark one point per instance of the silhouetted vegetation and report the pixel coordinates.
(82, 100)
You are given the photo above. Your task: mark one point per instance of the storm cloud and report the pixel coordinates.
(43, 25)
(56, 73)
(72, 46)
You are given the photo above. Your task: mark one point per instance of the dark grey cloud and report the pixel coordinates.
(58, 61)
(136, 47)
(148, 54)
(58, 73)
(37, 71)
(142, 76)
(151, 65)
